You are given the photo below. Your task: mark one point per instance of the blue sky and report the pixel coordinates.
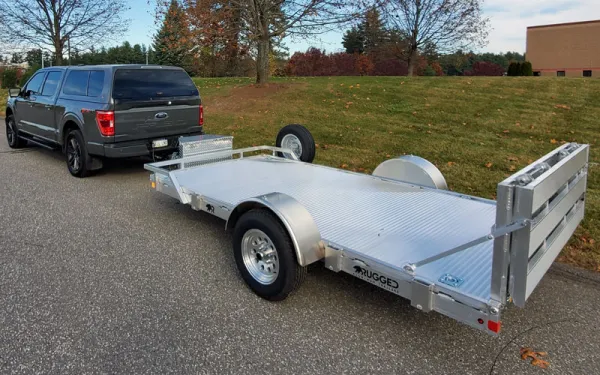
(509, 20)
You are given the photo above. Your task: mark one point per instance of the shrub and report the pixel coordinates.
(526, 69)
(429, 71)
(514, 69)
(9, 78)
(484, 68)
(364, 65)
(438, 68)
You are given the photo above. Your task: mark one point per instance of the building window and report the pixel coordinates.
(560, 73)
(587, 73)
(537, 74)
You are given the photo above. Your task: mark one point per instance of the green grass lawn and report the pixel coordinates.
(476, 130)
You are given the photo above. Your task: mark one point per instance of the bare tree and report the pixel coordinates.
(445, 24)
(263, 21)
(50, 24)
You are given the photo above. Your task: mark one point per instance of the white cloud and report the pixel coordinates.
(510, 19)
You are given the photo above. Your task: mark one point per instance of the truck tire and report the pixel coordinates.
(265, 256)
(77, 157)
(297, 138)
(12, 135)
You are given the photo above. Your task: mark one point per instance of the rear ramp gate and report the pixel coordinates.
(548, 197)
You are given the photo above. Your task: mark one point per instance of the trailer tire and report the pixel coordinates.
(299, 139)
(276, 284)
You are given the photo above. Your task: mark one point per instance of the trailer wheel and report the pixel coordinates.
(265, 256)
(298, 139)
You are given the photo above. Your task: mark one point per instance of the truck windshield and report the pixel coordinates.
(150, 84)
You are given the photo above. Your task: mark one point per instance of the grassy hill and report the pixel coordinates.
(476, 130)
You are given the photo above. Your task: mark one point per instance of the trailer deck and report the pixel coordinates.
(382, 220)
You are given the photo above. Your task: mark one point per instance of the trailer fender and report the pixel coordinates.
(297, 220)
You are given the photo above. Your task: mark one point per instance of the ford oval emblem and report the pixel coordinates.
(161, 115)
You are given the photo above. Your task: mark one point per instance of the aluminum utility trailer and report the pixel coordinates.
(463, 256)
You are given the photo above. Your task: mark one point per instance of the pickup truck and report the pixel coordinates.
(105, 111)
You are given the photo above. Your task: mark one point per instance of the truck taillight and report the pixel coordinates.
(201, 118)
(106, 122)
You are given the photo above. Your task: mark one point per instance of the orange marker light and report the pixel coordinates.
(153, 185)
(494, 326)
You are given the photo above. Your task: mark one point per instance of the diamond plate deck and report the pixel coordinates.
(385, 221)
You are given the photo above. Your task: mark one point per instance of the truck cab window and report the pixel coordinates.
(96, 83)
(77, 82)
(51, 83)
(35, 83)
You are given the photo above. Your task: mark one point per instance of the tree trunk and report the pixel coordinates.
(412, 59)
(58, 52)
(262, 60)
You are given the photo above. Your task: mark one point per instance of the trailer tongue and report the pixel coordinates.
(463, 256)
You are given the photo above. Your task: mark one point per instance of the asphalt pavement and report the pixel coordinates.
(103, 275)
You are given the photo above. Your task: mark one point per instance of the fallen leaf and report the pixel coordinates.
(451, 163)
(316, 145)
(540, 363)
(553, 141)
(518, 124)
(513, 158)
(512, 168)
(387, 155)
(506, 131)
(428, 131)
(527, 353)
(488, 165)
(563, 106)
(344, 166)
(592, 241)
(414, 113)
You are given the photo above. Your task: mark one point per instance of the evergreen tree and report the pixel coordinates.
(172, 42)
(354, 40)
(374, 32)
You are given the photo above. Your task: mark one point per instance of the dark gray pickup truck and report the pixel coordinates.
(105, 111)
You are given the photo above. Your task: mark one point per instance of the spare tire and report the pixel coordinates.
(298, 139)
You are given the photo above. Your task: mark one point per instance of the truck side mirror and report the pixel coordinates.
(13, 93)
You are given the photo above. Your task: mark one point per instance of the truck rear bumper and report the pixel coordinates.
(141, 147)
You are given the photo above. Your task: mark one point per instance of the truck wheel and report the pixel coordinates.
(78, 160)
(265, 256)
(298, 139)
(12, 135)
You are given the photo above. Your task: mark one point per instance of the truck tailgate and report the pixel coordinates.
(156, 121)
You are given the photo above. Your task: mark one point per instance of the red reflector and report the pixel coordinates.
(494, 326)
(106, 122)
(201, 118)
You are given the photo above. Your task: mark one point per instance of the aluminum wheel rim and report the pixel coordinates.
(10, 132)
(291, 142)
(73, 154)
(260, 256)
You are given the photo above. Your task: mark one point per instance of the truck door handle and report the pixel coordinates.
(47, 106)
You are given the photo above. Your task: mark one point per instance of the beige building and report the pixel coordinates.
(566, 49)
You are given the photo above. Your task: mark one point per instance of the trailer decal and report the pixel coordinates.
(383, 281)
